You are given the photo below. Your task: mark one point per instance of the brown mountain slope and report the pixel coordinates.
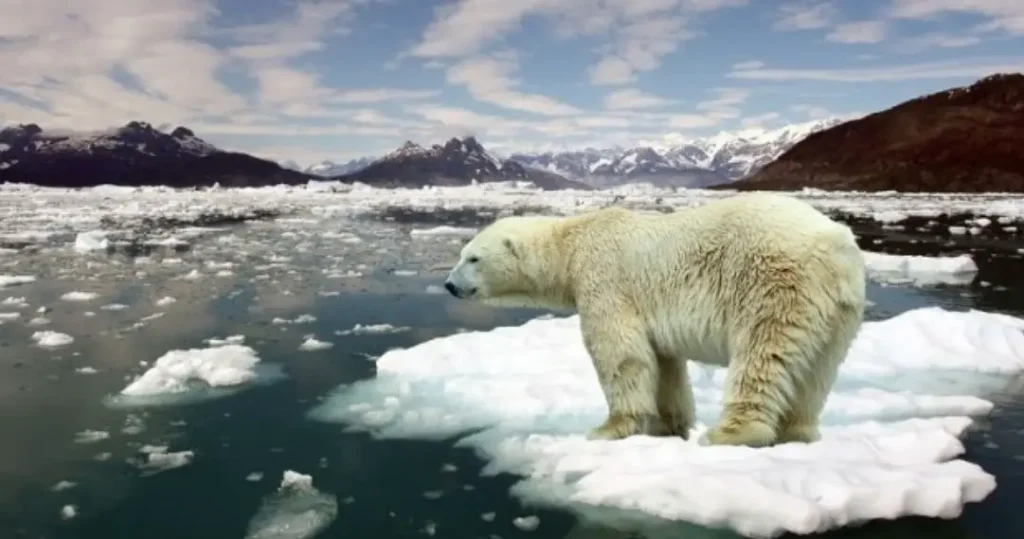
(967, 139)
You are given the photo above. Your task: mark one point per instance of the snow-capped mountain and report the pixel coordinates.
(328, 169)
(714, 160)
(456, 162)
(134, 154)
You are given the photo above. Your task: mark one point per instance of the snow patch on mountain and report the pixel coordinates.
(140, 137)
(716, 159)
(329, 168)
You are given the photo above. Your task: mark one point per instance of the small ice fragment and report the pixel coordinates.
(93, 240)
(312, 344)
(527, 523)
(52, 339)
(12, 280)
(89, 436)
(68, 512)
(165, 301)
(78, 295)
(158, 459)
(63, 485)
(372, 329)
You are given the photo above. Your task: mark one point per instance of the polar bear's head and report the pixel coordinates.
(504, 264)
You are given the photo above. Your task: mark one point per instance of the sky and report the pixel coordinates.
(308, 80)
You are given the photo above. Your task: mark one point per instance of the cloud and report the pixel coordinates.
(1002, 15)
(805, 16)
(725, 104)
(919, 71)
(641, 32)
(97, 63)
(489, 80)
(632, 99)
(812, 112)
(938, 40)
(640, 47)
(761, 121)
(378, 95)
(858, 32)
(749, 64)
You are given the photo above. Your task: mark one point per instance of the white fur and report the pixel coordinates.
(762, 283)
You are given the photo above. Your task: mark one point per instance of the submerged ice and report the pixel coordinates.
(890, 433)
(296, 510)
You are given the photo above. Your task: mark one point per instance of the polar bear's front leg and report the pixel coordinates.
(627, 369)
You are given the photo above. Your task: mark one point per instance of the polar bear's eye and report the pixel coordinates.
(473, 259)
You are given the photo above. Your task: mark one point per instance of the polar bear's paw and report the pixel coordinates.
(753, 434)
(619, 426)
(672, 426)
(806, 434)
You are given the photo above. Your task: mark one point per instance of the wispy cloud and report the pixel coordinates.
(313, 77)
(918, 71)
(859, 32)
(805, 15)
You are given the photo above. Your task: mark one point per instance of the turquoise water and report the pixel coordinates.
(385, 489)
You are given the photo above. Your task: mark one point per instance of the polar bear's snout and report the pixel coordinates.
(458, 291)
(459, 284)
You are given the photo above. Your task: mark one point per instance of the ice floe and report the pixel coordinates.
(891, 427)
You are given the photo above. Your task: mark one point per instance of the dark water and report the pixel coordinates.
(380, 485)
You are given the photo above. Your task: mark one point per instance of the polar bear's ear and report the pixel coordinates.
(508, 243)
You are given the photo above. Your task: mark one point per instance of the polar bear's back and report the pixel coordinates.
(698, 271)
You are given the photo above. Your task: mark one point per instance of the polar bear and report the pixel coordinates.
(762, 284)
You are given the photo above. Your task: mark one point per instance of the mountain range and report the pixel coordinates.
(965, 139)
(697, 163)
(138, 154)
(134, 154)
(458, 161)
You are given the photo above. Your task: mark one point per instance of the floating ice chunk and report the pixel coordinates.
(301, 319)
(181, 376)
(372, 329)
(165, 301)
(15, 302)
(68, 512)
(158, 459)
(233, 339)
(527, 523)
(444, 230)
(93, 240)
(90, 436)
(312, 344)
(52, 339)
(114, 307)
(296, 510)
(227, 365)
(891, 426)
(79, 296)
(921, 270)
(11, 280)
(63, 485)
(9, 317)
